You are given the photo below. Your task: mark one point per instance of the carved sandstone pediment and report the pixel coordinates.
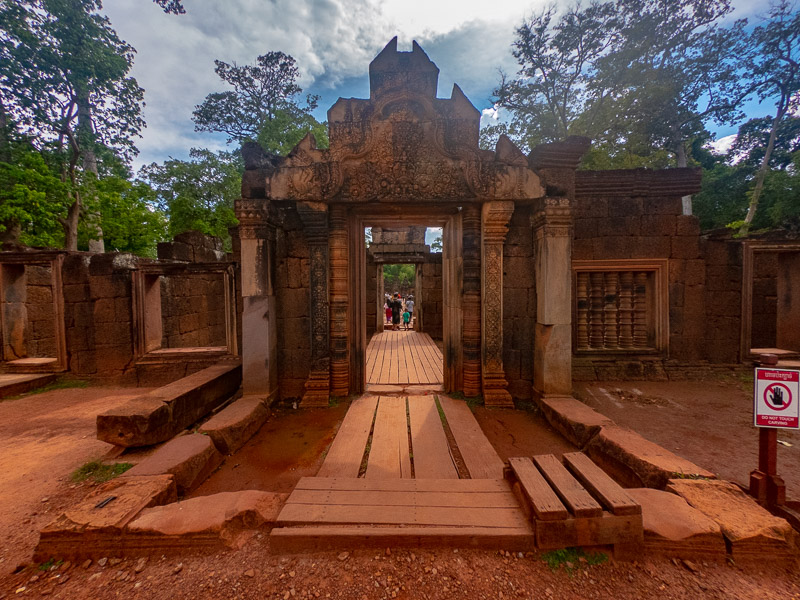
(403, 145)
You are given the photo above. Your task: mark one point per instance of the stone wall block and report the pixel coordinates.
(658, 224)
(688, 225)
(662, 206)
(625, 207)
(686, 247)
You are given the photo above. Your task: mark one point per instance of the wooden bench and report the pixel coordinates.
(575, 504)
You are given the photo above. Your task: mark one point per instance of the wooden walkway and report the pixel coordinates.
(400, 357)
(417, 471)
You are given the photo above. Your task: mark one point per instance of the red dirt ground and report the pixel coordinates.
(45, 437)
(707, 422)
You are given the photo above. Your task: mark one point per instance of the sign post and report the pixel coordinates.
(776, 404)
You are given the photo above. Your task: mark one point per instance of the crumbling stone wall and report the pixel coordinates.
(15, 313)
(765, 300)
(432, 301)
(292, 281)
(193, 310)
(636, 213)
(519, 304)
(723, 318)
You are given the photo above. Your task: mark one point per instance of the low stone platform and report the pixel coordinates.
(629, 458)
(163, 413)
(190, 459)
(236, 423)
(750, 531)
(15, 384)
(94, 525)
(673, 528)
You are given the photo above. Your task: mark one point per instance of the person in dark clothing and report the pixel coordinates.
(397, 308)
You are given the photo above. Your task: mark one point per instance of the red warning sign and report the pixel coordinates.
(777, 398)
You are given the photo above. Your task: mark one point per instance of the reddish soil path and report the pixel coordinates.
(43, 439)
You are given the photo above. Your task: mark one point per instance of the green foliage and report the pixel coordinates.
(98, 471)
(129, 217)
(198, 194)
(436, 244)
(287, 127)
(50, 563)
(263, 92)
(396, 277)
(32, 197)
(572, 559)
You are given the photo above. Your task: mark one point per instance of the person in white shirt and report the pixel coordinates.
(410, 309)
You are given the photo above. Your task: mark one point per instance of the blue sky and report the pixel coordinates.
(333, 42)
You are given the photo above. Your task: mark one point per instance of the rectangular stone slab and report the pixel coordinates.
(163, 413)
(233, 426)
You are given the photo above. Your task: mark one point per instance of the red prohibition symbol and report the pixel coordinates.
(778, 396)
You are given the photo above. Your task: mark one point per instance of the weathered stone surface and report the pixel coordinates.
(573, 419)
(11, 385)
(673, 527)
(235, 424)
(165, 412)
(750, 530)
(77, 530)
(189, 458)
(636, 462)
(222, 515)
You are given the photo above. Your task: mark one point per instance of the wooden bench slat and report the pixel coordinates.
(577, 499)
(608, 491)
(544, 501)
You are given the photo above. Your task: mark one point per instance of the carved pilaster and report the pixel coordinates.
(551, 220)
(315, 221)
(256, 219)
(339, 323)
(495, 216)
(471, 307)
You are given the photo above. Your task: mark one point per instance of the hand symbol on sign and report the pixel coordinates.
(776, 396)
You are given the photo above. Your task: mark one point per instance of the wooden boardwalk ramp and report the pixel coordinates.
(409, 471)
(403, 357)
(417, 471)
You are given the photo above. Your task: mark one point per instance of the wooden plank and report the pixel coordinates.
(481, 459)
(427, 359)
(543, 500)
(330, 537)
(590, 531)
(605, 489)
(347, 451)
(389, 455)
(419, 360)
(577, 499)
(316, 514)
(404, 485)
(432, 458)
(411, 360)
(401, 498)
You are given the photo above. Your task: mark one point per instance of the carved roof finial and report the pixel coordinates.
(392, 70)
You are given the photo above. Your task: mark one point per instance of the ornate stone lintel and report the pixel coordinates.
(315, 221)
(495, 218)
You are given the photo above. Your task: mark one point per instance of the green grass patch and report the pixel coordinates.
(572, 559)
(59, 384)
(98, 471)
(473, 401)
(49, 564)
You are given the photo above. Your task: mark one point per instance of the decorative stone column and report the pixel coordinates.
(315, 223)
(259, 308)
(339, 321)
(551, 220)
(471, 307)
(494, 216)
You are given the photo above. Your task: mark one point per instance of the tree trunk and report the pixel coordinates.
(763, 168)
(686, 201)
(86, 137)
(70, 225)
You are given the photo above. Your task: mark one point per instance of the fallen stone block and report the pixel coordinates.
(189, 458)
(219, 516)
(234, 425)
(163, 413)
(573, 419)
(673, 528)
(13, 384)
(636, 462)
(750, 530)
(102, 516)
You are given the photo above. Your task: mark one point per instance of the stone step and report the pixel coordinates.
(16, 384)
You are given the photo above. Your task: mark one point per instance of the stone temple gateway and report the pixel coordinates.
(404, 157)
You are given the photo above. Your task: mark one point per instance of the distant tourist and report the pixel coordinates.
(397, 306)
(410, 309)
(387, 310)
(406, 318)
